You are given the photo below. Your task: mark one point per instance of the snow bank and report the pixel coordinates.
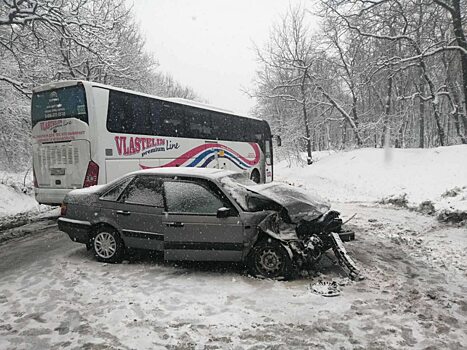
(15, 197)
(438, 175)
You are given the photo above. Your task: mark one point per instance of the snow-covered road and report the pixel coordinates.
(53, 295)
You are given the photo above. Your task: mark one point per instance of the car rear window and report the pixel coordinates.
(116, 191)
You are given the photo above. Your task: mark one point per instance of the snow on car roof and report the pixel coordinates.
(185, 171)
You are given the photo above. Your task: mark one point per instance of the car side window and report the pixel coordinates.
(145, 190)
(191, 198)
(116, 191)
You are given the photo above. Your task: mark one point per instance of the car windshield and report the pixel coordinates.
(238, 187)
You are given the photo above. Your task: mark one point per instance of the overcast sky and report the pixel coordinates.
(208, 44)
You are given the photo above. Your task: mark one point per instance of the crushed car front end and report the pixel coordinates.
(302, 223)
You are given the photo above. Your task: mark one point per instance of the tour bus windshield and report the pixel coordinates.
(65, 102)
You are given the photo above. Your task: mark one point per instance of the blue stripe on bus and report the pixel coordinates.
(236, 160)
(200, 157)
(207, 161)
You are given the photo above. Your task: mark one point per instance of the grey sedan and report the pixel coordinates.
(203, 215)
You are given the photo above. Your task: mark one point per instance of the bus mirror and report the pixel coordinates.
(278, 140)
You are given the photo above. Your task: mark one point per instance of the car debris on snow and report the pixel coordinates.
(326, 289)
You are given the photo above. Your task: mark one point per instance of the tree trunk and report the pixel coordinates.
(421, 116)
(462, 42)
(456, 105)
(386, 136)
(434, 101)
(344, 135)
(352, 120)
(309, 159)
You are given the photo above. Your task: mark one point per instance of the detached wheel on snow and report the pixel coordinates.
(108, 246)
(270, 259)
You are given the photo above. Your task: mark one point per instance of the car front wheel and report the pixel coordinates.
(108, 246)
(269, 259)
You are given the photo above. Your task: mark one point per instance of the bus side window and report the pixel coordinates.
(141, 112)
(155, 116)
(171, 121)
(198, 125)
(231, 128)
(220, 127)
(127, 113)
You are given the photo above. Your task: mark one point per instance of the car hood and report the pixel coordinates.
(299, 204)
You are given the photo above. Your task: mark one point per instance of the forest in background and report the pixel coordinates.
(374, 73)
(48, 40)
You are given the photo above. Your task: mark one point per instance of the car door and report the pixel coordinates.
(192, 230)
(139, 213)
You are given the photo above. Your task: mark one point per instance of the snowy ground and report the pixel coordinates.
(53, 295)
(438, 175)
(17, 204)
(15, 194)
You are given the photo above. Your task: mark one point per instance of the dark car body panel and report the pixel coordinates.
(78, 230)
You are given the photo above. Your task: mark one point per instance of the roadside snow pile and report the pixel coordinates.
(16, 195)
(431, 180)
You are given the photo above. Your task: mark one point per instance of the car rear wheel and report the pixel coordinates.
(108, 246)
(269, 259)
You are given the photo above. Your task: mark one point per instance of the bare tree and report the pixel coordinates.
(422, 41)
(286, 64)
(48, 40)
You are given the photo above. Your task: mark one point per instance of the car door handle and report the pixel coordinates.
(123, 212)
(175, 224)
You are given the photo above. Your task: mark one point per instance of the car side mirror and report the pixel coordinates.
(223, 212)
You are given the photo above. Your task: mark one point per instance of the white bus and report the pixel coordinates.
(86, 134)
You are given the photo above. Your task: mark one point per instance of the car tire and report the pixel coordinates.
(269, 259)
(107, 245)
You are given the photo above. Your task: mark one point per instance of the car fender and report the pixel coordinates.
(273, 227)
(102, 220)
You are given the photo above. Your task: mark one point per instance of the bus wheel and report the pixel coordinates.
(108, 246)
(255, 176)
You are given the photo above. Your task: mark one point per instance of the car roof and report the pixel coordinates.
(205, 173)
